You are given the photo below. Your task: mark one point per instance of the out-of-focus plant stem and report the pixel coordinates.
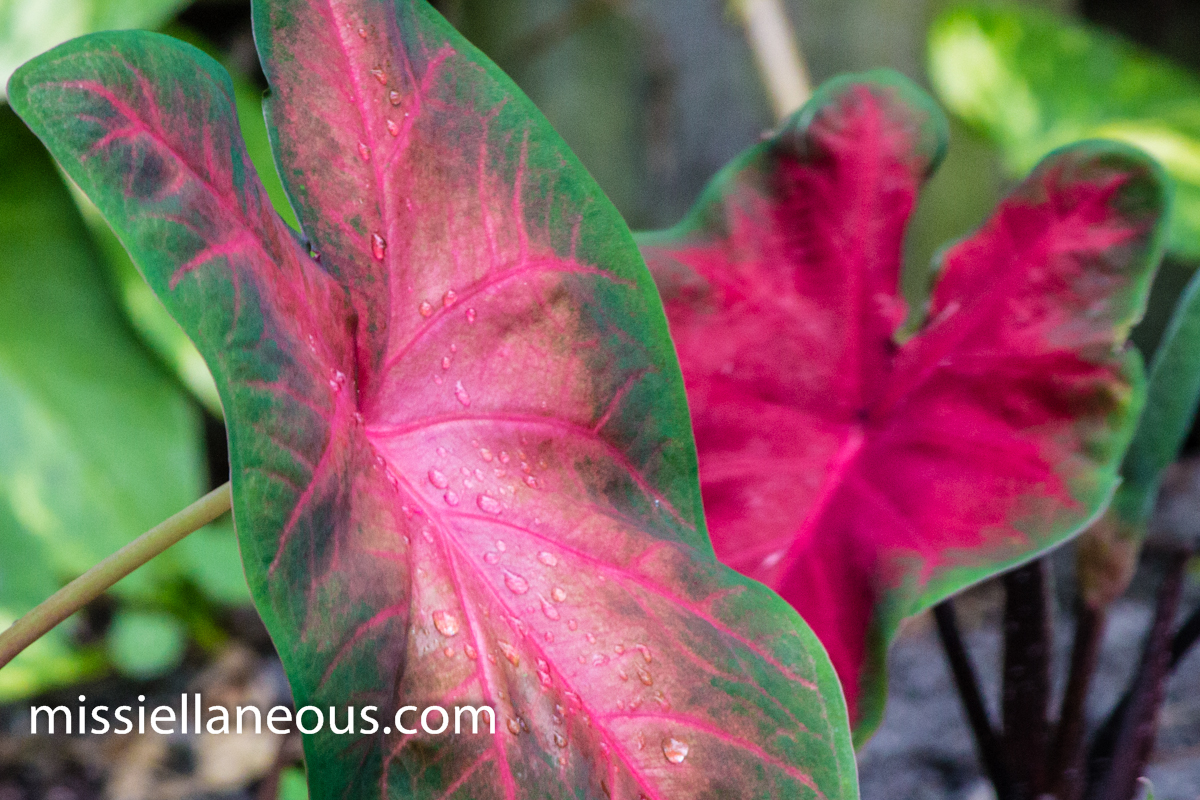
(965, 680)
(777, 52)
(93, 583)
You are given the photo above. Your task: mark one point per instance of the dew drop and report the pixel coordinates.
(485, 454)
(379, 75)
(448, 652)
(488, 504)
(338, 381)
(378, 246)
(515, 583)
(514, 727)
(491, 658)
(504, 459)
(461, 395)
(364, 152)
(550, 611)
(531, 482)
(438, 479)
(640, 741)
(622, 675)
(393, 128)
(511, 654)
(443, 452)
(604, 748)
(425, 309)
(618, 649)
(645, 653)
(449, 298)
(674, 750)
(451, 498)
(470, 652)
(395, 98)
(478, 474)
(454, 349)
(491, 558)
(471, 316)
(501, 546)
(572, 624)
(466, 471)
(544, 679)
(562, 761)
(558, 594)
(559, 740)
(591, 638)
(548, 559)
(548, 636)
(645, 677)
(599, 660)
(445, 622)
(362, 33)
(445, 362)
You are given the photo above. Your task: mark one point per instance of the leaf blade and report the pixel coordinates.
(869, 508)
(507, 533)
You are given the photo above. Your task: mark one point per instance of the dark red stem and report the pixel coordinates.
(1123, 746)
(1026, 681)
(967, 684)
(1065, 772)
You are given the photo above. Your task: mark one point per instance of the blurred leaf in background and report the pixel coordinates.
(1032, 81)
(97, 443)
(28, 28)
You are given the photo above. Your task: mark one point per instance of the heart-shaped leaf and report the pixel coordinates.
(1032, 81)
(864, 479)
(462, 466)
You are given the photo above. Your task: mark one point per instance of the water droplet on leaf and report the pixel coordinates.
(445, 622)
(438, 479)
(514, 727)
(559, 740)
(445, 362)
(559, 594)
(449, 298)
(395, 98)
(550, 611)
(645, 677)
(451, 498)
(378, 246)
(393, 128)
(470, 316)
(515, 583)
(425, 309)
(379, 75)
(491, 558)
(364, 152)
(548, 559)
(511, 654)
(471, 652)
(531, 482)
(488, 504)
(674, 750)
(460, 393)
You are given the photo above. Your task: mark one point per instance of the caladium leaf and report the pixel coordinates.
(462, 467)
(1031, 81)
(864, 479)
(1108, 553)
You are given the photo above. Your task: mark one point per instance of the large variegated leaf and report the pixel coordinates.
(867, 479)
(462, 466)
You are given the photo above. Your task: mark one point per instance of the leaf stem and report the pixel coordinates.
(777, 52)
(967, 683)
(93, 583)
(1026, 685)
(1066, 768)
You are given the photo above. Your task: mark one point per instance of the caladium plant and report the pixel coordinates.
(463, 472)
(867, 478)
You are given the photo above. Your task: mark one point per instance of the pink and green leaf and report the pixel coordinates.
(462, 463)
(863, 478)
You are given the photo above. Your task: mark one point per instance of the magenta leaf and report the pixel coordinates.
(866, 479)
(462, 463)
